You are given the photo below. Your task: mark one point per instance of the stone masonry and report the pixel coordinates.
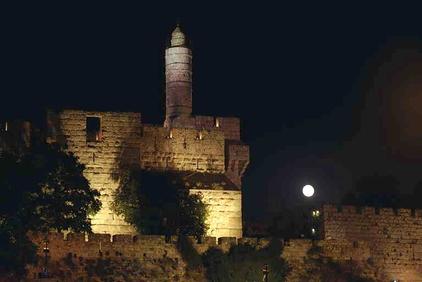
(206, 149)
(392, 238)
(384, 244)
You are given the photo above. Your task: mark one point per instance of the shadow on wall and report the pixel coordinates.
(236, 262)
(107, 143)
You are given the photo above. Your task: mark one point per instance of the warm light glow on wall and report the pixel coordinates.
(5, 126)
(217, 122)
(200, 137)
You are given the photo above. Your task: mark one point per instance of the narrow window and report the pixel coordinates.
(93, 129)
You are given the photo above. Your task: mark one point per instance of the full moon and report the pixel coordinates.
(308, 190)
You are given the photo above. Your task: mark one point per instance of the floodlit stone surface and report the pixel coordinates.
(126, 143)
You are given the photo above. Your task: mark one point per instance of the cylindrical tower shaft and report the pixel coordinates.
(178, 60)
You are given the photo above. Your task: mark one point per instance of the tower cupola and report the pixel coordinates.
(177, 37)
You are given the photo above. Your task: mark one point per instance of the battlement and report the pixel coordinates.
(136, 245)
(370, 224)
(147, 249)
(230, 126)
(182, 149)
(140, 246)
(392, 237)
(333, 210)
(108, 239)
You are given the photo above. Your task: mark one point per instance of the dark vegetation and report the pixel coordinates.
(245, 263)
(324, 269)
(157, 202)
(41, 189)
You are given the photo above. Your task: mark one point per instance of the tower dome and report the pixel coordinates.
(177, 37)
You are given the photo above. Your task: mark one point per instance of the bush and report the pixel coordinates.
(245, 263)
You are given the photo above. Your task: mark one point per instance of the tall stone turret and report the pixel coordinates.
(178, 60)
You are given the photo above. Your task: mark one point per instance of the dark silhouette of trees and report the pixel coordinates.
(41, 189)
(321, 268)
(157, 202)
(245, 263)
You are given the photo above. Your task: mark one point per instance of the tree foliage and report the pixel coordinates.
(245, 262)
(158, 203)
(324, 269)
(40, 190)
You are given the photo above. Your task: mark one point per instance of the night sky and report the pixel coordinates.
(326, 94)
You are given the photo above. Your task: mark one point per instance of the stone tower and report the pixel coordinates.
(207, 151)
(178, 61)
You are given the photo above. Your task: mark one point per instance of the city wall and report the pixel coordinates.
(393, 237)
(160, 259)
(386, 244)
(140, 258)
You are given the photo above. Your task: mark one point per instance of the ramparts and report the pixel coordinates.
(182, 149)
(394, 237)
(152, 252)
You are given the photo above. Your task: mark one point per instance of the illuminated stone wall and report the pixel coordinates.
(393, 237)
(295, 252)
(224, 212)
(182, 149)
(129, 258)
(153, 258)
(125, 143)
(104, 160)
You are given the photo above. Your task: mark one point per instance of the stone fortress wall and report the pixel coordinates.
(152, 252)
(392, 238)
(387, 245)
(118, 148)
(125, 142)
(182, 149)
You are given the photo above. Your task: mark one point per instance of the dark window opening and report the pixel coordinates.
(93, 129)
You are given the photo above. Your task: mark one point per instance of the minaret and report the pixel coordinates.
(178, 61)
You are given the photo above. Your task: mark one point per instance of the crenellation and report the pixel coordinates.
(390, 236)
(99, 237)
(227, 241)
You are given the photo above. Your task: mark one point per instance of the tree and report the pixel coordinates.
(245, 263)
(324, 269)
(41, 189)
(157, 202)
